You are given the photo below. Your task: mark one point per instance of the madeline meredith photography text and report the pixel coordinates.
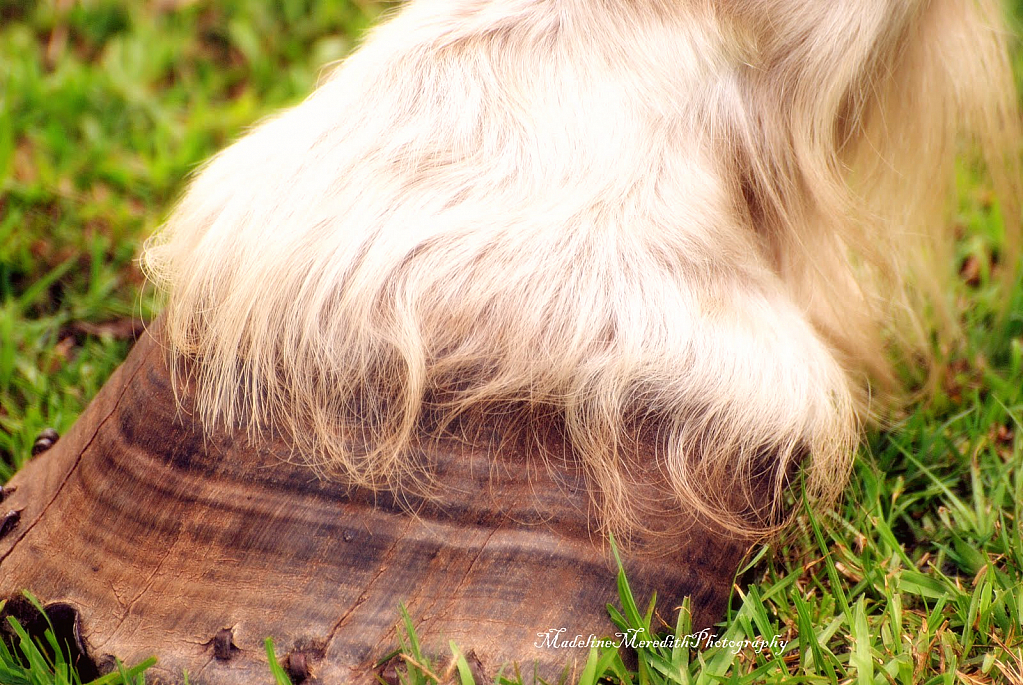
(556, 638)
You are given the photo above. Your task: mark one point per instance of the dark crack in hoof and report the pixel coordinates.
(9, 521)
(296, 665)
(44, 441)
(223, 645)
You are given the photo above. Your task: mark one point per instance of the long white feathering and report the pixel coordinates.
(706, 221)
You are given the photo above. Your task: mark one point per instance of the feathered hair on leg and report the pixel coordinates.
(693, 231)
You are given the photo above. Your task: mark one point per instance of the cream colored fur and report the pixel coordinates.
(705, 222)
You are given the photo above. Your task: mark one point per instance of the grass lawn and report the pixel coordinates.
(107, 105)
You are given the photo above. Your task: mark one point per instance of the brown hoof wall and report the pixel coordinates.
(196, 548)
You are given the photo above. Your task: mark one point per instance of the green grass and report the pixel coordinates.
(105, 108)
(44, 660)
